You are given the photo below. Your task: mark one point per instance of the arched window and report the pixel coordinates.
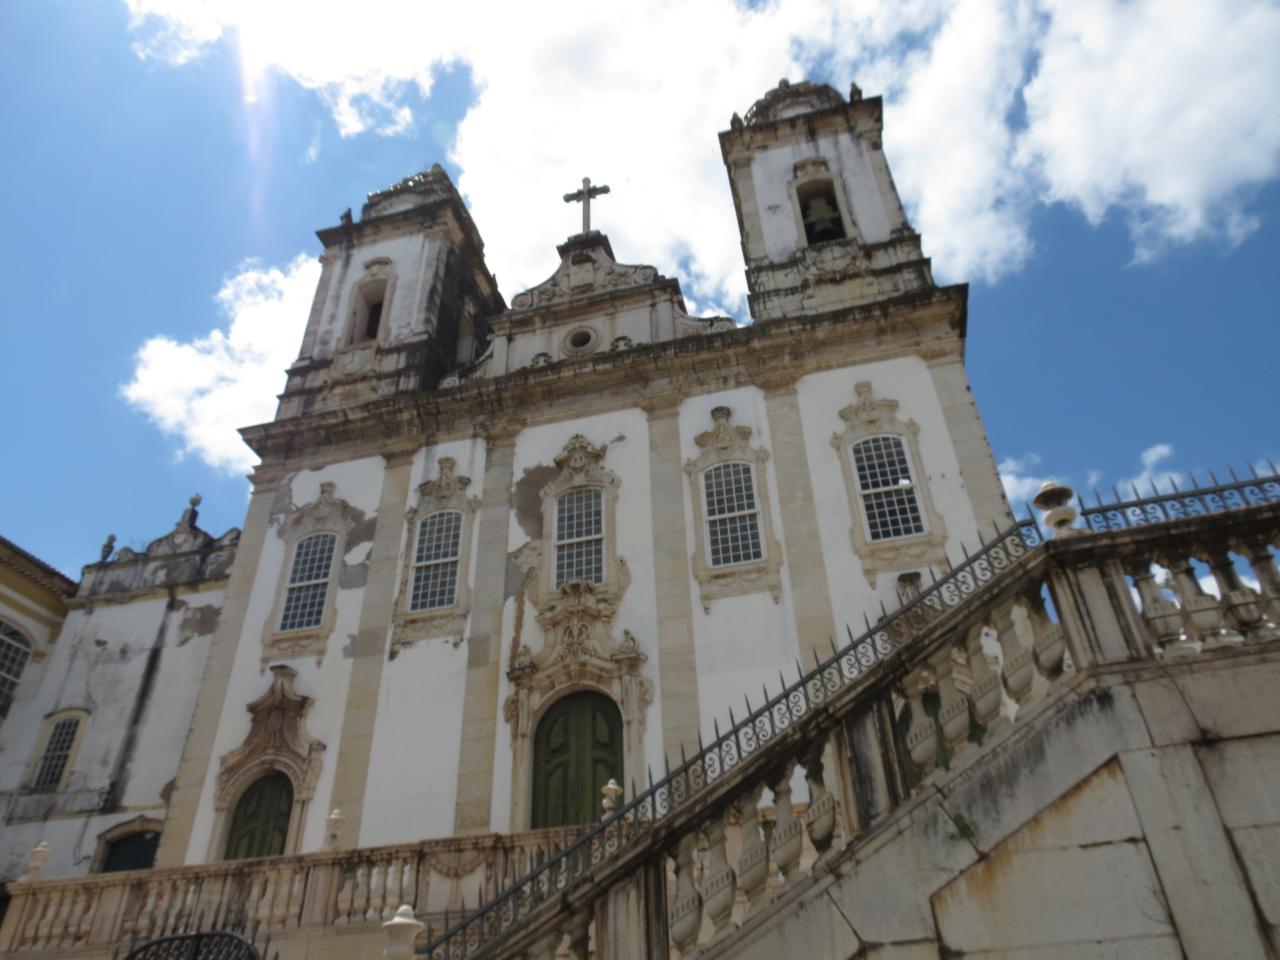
(576, 750)
(308, 582)
(57, 751)
(733, 523)
(134, 851)
(15, 651)
(260, 824)
(580, 536)
(887, 489)
(435, 561)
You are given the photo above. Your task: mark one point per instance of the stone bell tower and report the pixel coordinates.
(821, 222)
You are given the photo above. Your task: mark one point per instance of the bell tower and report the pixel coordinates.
(821, 223)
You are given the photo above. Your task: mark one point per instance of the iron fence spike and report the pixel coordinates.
(1097, 497)
(765, 691)
(715, 725)
(867, 619)
(1173, 482)
(649, 770)
(832, 640)
(782, 684)
(701, 748)
(732, 723)
(964, 550)
(1232, 470)
(747, 701)
(1155, 491)
(1116, 491)
(634, 792)
(883, 612)
(1253, 470)
(799, 672)
(933, 575)
(981, 540)
(666, 762)
(1214, 477)
(683, 759)
(1272, 466)
(1195, 484)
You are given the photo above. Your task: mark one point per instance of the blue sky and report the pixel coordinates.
(1110, 313)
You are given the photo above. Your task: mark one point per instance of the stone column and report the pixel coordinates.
(806, 565)
(212, 692)
(969, 438)
(484, 641)
(677, 669)
(370, 649)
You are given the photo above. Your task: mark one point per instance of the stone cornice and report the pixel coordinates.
(745, 355)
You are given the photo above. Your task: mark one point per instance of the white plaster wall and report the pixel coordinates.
(72, 842)
(744, 641)
(627, 436)
(359, 482)
(848, 158)
(643, 323)
(413, 261)
(821, 397)
(413, 763)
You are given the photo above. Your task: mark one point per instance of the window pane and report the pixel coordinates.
(56, 751)
(881, 463)
(583, 560)
(578, 515)
(438, 537)
(312, 558)
(14, 653)
(729, 489)
(303, 606)
(434, 585)
(734, 539)
(893, 513)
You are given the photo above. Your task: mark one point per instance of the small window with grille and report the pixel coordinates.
(308, 582)
(887, 489)
(57, 753)
(733, 524)
(15, 651)
(580, 536)
(435, 561)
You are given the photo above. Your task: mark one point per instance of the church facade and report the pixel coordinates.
(514, 576)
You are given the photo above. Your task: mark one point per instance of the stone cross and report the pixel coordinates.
(584, 196)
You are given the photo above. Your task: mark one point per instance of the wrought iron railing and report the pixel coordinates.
(1178, 504)
(762, 726)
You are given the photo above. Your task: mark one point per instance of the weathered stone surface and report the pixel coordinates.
(815, 929)
(1234, 703)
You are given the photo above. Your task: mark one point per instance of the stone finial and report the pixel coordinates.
(611, 792)
(191, 514)
(402, 930)
(333, 828)
(35, 863)
(108, 546)
(1055, 500)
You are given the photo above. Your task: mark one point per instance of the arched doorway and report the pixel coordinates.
(260, 824)
(577, 748)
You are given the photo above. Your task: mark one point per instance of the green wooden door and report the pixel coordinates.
(577, 748)
(261, 821)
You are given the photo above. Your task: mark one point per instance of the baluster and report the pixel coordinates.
(719, 883)
(346, 892)
(376, 887)
(360, 895)
(280, 900)
(922, 735)
(788, 832)
(39, 905)
(391, 898)
(951, 667)
(85, 917)
(753, 863)
(686, 912)
(65, 926)
(297, 892)
(986, 690)
(579, 930)
(45, 928)
(1016, 641)
(1163, 616)
(820, 818)
(1203, 612)
(1263, 564)
(1244, 606)
(1050, 645)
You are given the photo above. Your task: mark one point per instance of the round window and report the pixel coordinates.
(581, 340)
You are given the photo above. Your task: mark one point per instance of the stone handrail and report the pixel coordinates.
(275, 894)
(957, 665)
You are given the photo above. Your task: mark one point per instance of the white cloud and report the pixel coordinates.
(203, 390)
(1152, 476)
(1160, 111)
(1020, 485)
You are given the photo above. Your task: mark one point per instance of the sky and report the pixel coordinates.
(1103, 174)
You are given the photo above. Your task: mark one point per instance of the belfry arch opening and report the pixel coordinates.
(577, 749)
(820, 211)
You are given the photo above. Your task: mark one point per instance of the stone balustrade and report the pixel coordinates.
(689, 861)
(93, 915)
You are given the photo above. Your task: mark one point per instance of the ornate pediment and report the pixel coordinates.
(328, 512)
(184, 537)
(586, 267)
(723, 440)
(277, 740)
(872, 415)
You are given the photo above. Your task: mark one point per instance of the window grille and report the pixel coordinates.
(888, 492)
(435, 561)
(14, 653)
(308, 582)
(733, 526)
(57, 751)
(580, 536)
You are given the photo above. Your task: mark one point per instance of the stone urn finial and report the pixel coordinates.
(402, 930)
(333, 828)
(35, 862)
(611, 792)
(1055, 500)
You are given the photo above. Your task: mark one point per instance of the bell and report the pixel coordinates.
(821, 222)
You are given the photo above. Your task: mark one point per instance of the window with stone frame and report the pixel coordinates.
(15, 651)
(736, 552)
(580, 536)
(732, 518)
(57, 750)
(889, 503)
(308, 588)
(435, 561)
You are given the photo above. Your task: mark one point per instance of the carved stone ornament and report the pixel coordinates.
(870, 417)
(726, 443)
(327, 514)
(578, 650)
(585, 268)
(448, 491)
(277, 741)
